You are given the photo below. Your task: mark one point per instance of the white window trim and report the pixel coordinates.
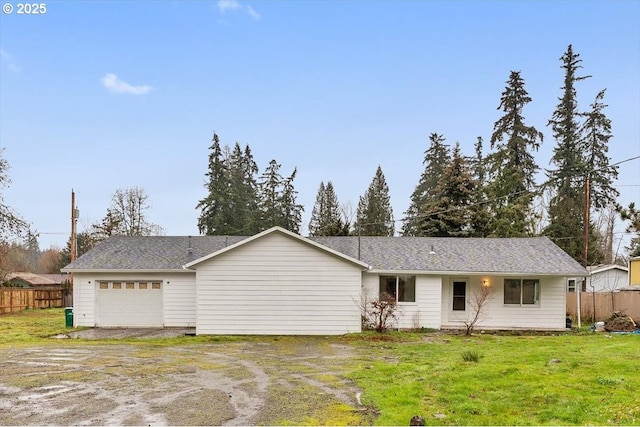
(539, 293)
(397, 276)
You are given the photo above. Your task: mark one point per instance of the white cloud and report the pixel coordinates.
(115, 85)
(233, 5)
(7, 58)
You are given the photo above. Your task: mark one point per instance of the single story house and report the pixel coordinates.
(278, 282)
(607, 278)
(32, 280)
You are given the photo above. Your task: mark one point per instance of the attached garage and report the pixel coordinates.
(129, 303)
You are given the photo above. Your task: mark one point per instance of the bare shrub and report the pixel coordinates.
(478, 307)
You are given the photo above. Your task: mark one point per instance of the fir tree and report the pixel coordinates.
(480, 217)
(326, 219)
(213, 217)
(566, 181)
(596, 132)
(375, 215)
(277, 200)
(436, 159)
(242, 204)
(512, 167)
(449, 213)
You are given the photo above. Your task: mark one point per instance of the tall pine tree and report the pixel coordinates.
(480, 216)
(326, 219)
(213, 217)
(450, 212)
(277, 200)
(436, 159)
(242, 197)
(375, 214)
(512, 167)
(596, 133)
(567, 181)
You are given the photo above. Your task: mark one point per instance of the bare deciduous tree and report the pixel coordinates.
(477, 308)
(127, 216)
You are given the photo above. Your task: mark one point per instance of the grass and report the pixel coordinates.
(522, 380)
(488, 379)
(31, 326)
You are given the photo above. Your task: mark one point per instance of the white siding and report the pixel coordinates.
(179, 300)
(607, 281)
(549, 314)
(424, 313)
(277, 285)
(84, 300)
(173, 305)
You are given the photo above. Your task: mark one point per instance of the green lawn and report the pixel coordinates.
(587, 379)
(566, 379)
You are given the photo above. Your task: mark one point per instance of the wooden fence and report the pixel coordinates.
(606, 303)
(18, 299)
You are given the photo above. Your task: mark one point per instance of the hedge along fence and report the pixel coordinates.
(18, 299)
(606, 303)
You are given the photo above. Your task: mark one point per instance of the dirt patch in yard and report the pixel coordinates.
(293, 380)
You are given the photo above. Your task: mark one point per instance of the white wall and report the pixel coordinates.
(84, 300)
(424, 313)
(549, 314)
(277, 285)
(607, 281)
(178, 298)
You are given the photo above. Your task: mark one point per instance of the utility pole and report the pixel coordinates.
(73, 226)
(74, 217)
(585, 236)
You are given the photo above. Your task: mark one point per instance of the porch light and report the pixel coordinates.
(485, 283)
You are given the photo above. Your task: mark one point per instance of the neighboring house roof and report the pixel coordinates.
(594, 269)
(535, 255)
(33, 279)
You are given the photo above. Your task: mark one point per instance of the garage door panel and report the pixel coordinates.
(122, 306)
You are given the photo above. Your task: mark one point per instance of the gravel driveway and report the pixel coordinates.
(271, 380)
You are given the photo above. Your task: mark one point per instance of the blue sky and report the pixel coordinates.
(101, 95)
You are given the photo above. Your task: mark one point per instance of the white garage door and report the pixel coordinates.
(129, 304)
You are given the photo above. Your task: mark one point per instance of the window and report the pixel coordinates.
(459, 295)
(130, 285)
(142, 285)
(155, 285)
(116, 285)
(521, 291)
(103, 285)
(571, 285)
(402, 288)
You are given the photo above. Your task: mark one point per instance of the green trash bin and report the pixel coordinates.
(68, 317)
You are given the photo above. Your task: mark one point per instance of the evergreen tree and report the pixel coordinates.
(326, 219)
(84, 242)
(436, 159)
(242, 193)
(375, 215)
(632, 214)
(291, 210)
(214, 217)
(277, 200)
(512, 167)
(566, 181)
(450, 212)
(596, 132)
(480, 217)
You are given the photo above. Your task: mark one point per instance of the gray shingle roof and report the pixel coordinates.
(470, 255)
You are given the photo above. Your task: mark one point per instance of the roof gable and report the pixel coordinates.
(284, 232)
